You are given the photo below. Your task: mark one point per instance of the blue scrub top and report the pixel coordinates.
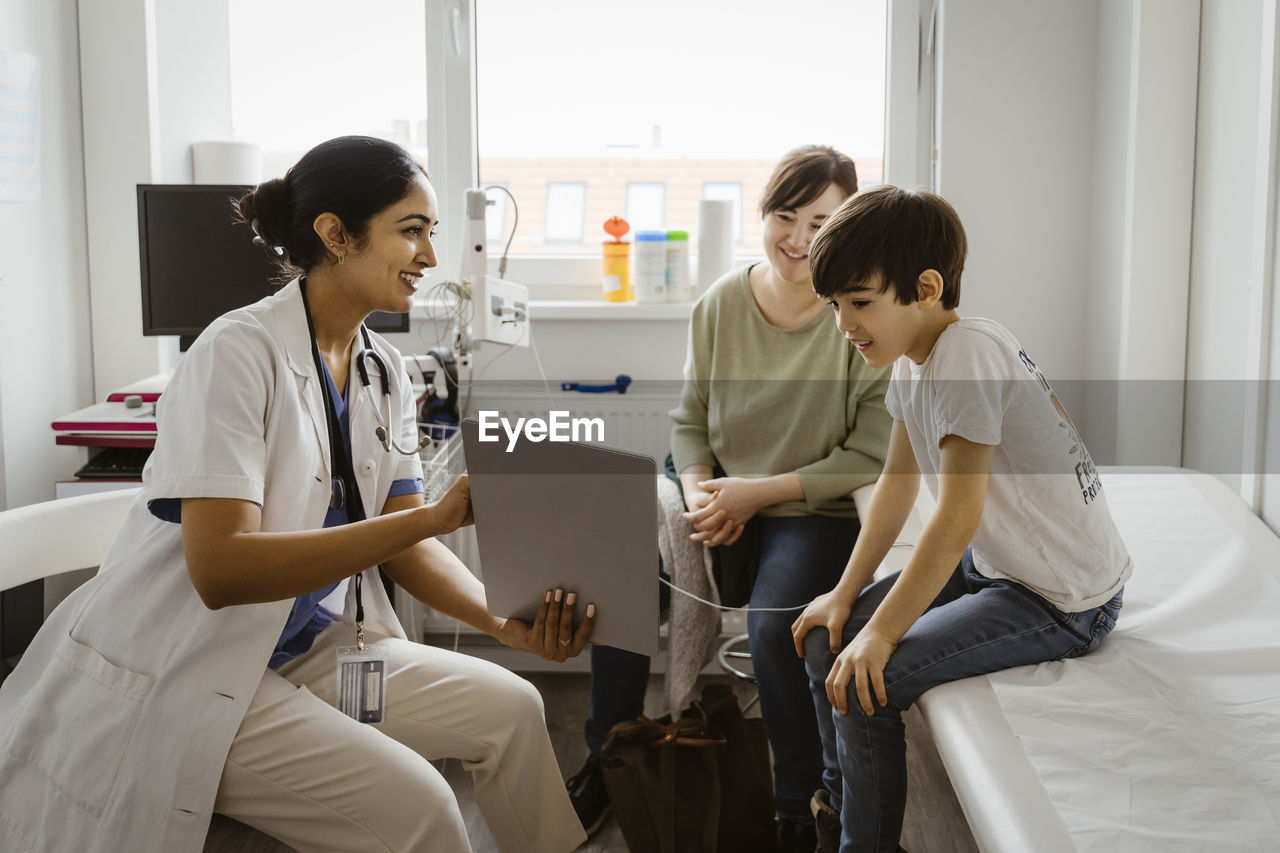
(307, 618)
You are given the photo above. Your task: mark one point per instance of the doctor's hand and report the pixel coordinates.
(551, 636)
(453, 510)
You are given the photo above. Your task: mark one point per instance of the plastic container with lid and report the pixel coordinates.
(616, 282)
(679, 287)
(651, 266)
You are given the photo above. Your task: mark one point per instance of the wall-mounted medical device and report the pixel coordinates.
(500, 307)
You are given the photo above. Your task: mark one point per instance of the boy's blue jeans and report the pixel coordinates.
(798, 559)
(976, 625)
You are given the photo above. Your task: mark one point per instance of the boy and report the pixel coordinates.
(1021, 561)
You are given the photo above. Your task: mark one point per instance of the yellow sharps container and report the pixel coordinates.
(617, 261)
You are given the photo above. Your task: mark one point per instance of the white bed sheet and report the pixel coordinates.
(1167, 737)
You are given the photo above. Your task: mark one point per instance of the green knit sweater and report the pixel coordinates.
(759, 400)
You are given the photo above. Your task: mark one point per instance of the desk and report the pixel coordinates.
(110, 424)
(148, 389)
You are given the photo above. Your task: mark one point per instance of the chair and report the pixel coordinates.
(51, 538)
(731, 651)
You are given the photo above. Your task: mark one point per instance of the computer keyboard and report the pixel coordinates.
(117, 463)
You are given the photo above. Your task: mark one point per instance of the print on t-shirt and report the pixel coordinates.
(1086, 474)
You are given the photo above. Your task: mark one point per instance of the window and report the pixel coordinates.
(496, 226)
(731, 94)
(286, 102)
(728, 191)
(566, 203)
(646, 206)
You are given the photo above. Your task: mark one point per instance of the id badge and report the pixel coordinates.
(362, 681)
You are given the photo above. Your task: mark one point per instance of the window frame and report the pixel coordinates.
(738, 222)
(582, 214)
(452, 139)
(641, 187)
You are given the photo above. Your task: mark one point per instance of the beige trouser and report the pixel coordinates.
(302, 771)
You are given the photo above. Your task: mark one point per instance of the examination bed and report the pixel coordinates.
(1168, 736)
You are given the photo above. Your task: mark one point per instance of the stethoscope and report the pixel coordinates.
(368, 353)
(384, 435)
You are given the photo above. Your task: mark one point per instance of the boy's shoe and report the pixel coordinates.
(588, 794)
(826, 822)
(795, 836)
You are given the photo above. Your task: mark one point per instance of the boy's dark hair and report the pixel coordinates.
(803, 174)
(353, 177)
(895, 232)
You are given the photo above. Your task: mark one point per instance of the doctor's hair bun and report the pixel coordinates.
(352, 177)
(265, 209)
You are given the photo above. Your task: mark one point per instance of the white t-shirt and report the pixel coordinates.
(1045, 523)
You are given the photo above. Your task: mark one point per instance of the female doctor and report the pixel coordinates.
(197, 672)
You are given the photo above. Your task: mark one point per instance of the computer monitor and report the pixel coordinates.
(198, 262)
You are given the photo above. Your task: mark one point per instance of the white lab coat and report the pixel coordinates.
(115, 726)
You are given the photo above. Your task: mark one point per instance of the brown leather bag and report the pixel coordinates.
(698, 784)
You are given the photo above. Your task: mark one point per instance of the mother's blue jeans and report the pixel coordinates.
(975, 625)
(795, 559)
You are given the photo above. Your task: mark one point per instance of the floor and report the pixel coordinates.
(934, 823)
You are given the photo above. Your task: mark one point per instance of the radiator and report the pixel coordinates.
(637, 421)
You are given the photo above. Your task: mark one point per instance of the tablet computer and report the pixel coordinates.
(572, 516)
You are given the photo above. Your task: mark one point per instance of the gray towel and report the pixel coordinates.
(693, 627)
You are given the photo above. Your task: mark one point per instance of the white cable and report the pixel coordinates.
(445, 301)
(538, 359)
(749, 609)
(515, 208)
(737, 609)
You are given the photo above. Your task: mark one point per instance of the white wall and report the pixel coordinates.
(121, 143)
(45, 363)
(1222, 250)
(193, 57)
(1015, 130)
(155, 78)
(1230, 324)
(1065, 137)
(1106, 258)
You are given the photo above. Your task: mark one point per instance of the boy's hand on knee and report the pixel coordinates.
(862, 663)
(829, 611)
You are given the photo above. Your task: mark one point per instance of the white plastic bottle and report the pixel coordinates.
(679, 287)
(649, 284)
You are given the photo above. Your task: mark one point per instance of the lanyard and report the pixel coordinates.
(344, 485)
